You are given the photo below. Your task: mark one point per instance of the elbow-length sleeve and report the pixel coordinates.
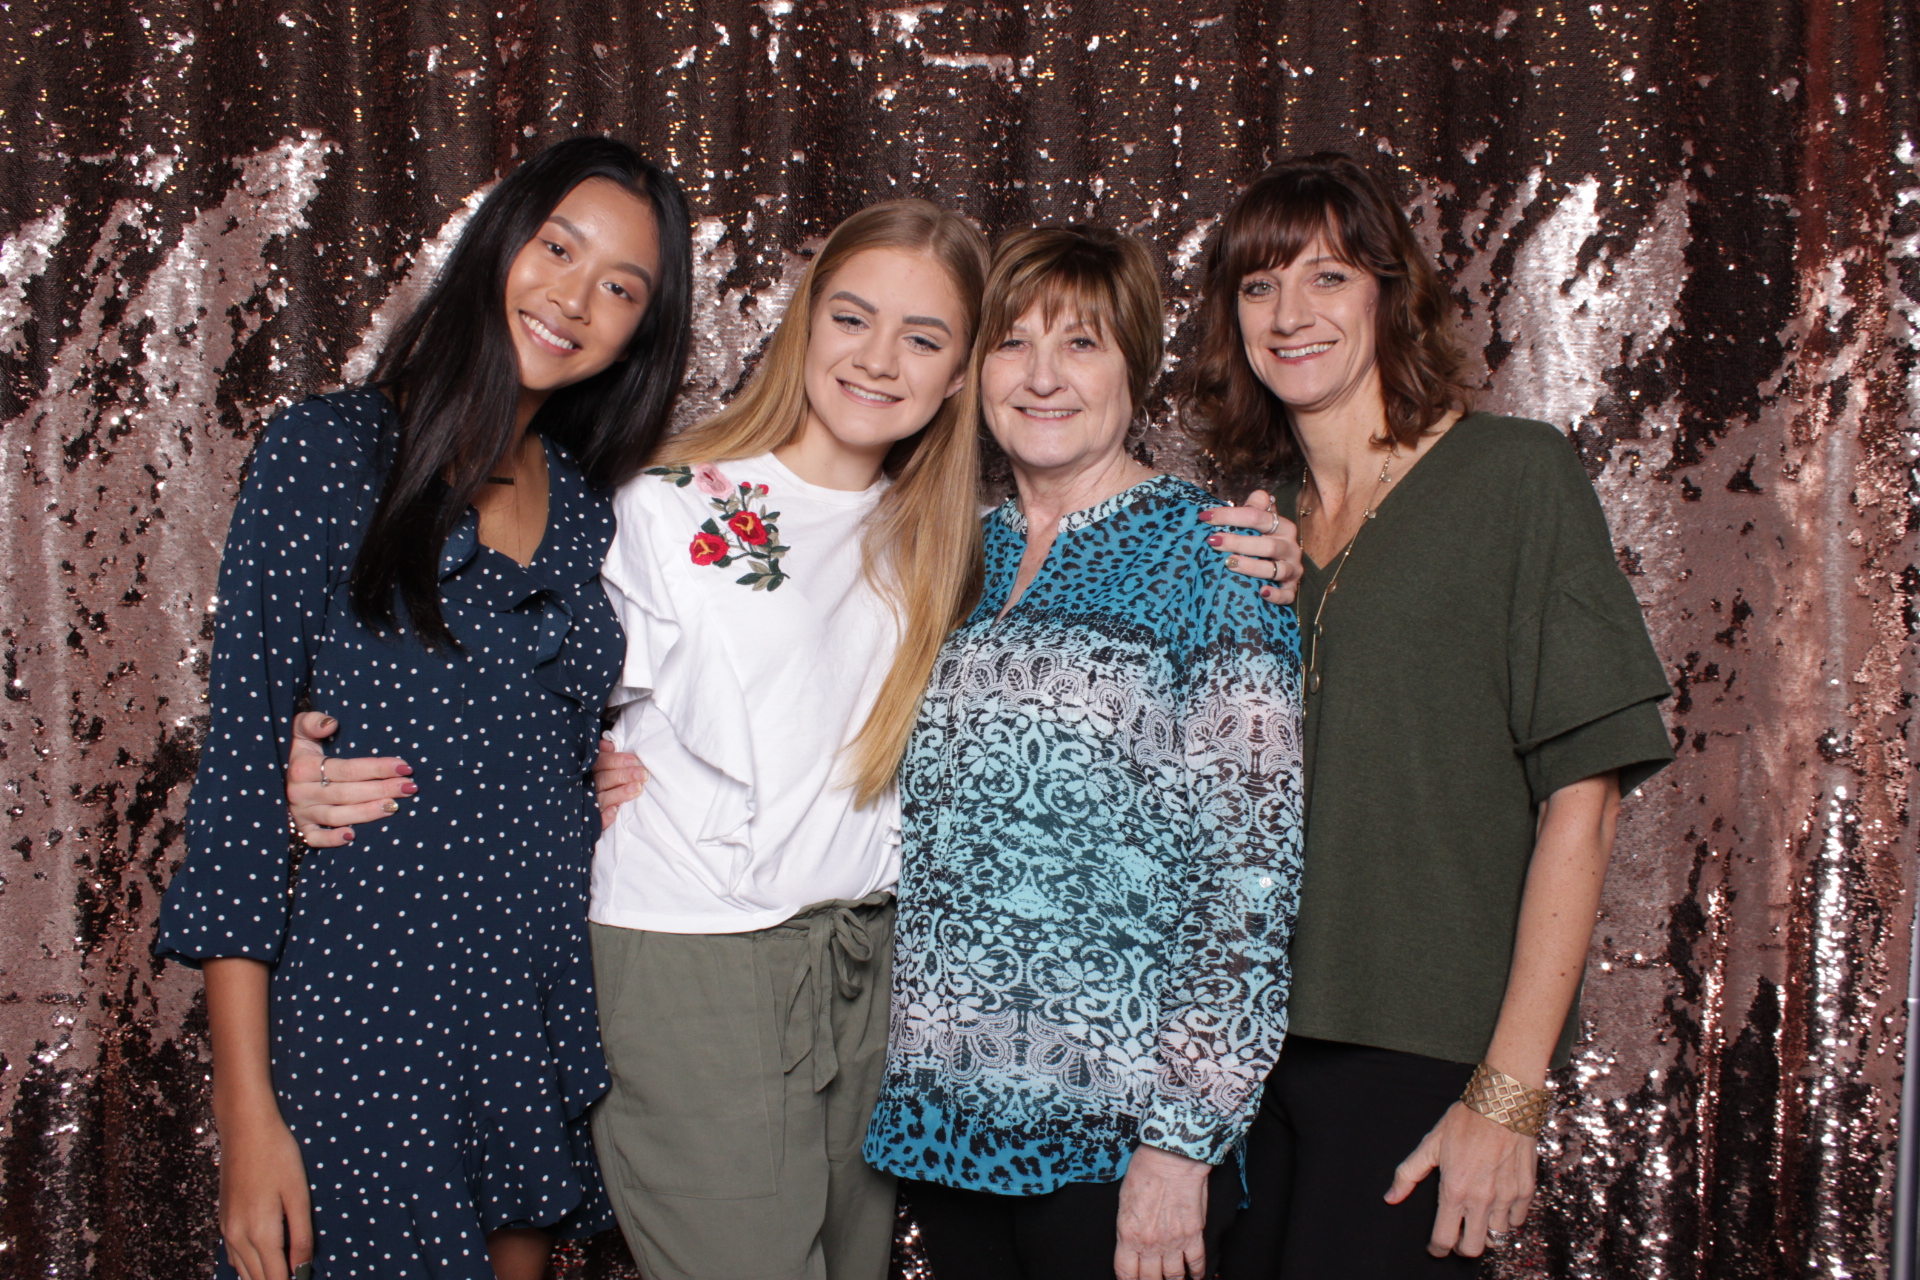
(1224, 1014)
(1585, 683)
(232, 894)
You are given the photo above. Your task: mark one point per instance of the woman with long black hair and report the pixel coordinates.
(404, 1037)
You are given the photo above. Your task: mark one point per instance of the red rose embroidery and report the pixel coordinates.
(708, 547)
(751, 529)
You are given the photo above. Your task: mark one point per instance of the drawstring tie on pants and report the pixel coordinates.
(838, 951)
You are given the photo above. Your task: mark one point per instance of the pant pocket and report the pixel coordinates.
(696, 1104)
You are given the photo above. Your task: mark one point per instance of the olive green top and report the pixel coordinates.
(1482, 650)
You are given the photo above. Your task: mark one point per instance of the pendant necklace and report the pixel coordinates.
(1373, 505)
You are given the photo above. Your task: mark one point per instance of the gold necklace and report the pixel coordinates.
(1313, 638)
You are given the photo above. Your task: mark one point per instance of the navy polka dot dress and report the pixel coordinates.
(435, 1046)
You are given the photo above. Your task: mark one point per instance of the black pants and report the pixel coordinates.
(1068, 1234)
(1335, 1121)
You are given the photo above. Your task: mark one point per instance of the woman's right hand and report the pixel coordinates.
(618, 776)
(1273, 557)
(326, 797)
(266, 1218)
(1163, 1217)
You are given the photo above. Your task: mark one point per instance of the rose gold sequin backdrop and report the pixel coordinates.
(1688, 232)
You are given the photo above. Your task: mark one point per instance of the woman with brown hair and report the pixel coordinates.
(1480, 693)
(1100, 813)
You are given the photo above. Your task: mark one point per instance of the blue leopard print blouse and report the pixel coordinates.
(1101, 824)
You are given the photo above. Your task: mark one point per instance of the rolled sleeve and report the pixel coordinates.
(232, 895)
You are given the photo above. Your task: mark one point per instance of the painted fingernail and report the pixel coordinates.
(1215, 539)
(391, 806)
(404, 769)
(1206, 517)
(328, 721)
(347, 834)
(408, 788)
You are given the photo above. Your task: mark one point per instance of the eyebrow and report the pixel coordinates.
(932, 322)
(632, 268)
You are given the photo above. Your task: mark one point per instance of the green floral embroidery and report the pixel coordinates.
(745, 529)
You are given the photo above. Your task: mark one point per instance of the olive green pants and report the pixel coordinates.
(745, 1068)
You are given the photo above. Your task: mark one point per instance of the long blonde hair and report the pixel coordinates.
(922, 541)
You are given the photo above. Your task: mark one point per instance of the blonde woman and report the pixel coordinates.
(786, 572)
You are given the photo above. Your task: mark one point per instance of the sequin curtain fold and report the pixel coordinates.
(1687, 232)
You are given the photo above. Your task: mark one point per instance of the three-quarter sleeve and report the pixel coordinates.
(231, 895)
(1225, 1010)
(1585, 683)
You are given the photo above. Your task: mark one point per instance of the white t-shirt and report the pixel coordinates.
(755, 649)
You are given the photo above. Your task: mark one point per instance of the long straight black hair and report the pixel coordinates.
(452, 372)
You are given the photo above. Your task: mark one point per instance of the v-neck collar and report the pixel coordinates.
(1307, 563)
(572, 547)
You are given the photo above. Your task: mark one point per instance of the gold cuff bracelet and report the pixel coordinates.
(1505, 1101)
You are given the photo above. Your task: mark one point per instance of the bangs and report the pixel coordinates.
(1263, 235)
(1080, 291)
(1094, 277)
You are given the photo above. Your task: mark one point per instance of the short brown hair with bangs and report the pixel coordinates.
(1100, 277)
(1247, 429)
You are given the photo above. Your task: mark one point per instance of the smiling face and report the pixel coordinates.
(578, 289)
(886, 346)
(1056, 395)
(1308, 329)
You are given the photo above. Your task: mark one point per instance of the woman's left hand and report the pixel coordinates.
(1273, 557)
(362, 789)
(1163, 1211)
(1486, 1181)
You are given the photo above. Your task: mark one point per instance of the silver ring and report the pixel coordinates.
(1276, 523)
(1497, 1238)
(323, 772)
